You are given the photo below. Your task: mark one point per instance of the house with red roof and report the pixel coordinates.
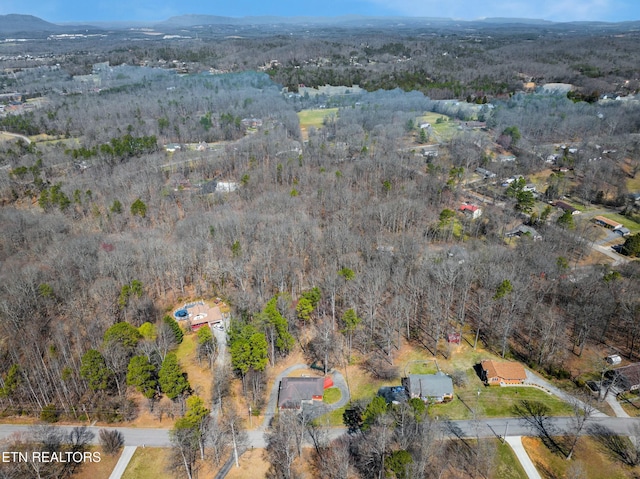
(470, 209)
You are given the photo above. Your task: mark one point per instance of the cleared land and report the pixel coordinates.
(443, 126)
(148, 463)
(97, 470)
(313, 118)
(589, 461)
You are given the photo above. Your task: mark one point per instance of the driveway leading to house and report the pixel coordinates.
(615, 405)
(516, 445)
(273, 396)
(315, 409)
(534, 379)
(123, 462)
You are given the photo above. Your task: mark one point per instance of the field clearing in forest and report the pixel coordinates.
(314, 118)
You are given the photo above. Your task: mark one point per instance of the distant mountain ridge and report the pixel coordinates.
(14, 22)
(18, 23)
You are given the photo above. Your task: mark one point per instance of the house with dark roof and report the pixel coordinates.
(627, 377)
(429, 387)
(524, 230)
(485, 173)
(294, 392)
(497, 373)
(566, 207)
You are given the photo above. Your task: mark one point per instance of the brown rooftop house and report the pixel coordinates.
(502, 372)
(607, 223)
(296, 391)
(201, 315)
(566, 207)
(628, 377)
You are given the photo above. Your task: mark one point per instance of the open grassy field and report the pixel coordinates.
(507, 464)
(633, 184)
(494, 402)
(199, 377)
(443, 130)
(97, 470)
(148, 463)
(314, 118)
(252, 466)
(589, 461)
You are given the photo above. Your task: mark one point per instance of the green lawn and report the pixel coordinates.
(495, 402)
(444, 130)
(147, 463)
(422, 367)
(315, 117)
(633, 184)
(331, 395)
(187, 348)
(507, 464)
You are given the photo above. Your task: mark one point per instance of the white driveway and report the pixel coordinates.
(516, 444)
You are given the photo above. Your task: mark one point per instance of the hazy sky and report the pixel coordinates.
(556, 10)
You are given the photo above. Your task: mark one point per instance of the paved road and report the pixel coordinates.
(618, 259)
(516, 444)
(123, 462)
(154, 437)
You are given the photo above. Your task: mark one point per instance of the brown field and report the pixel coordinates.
(97, 470)
(588, 458)
(148, 463)
(252, 465)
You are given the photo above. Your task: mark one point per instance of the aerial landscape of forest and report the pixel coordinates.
(348, 247)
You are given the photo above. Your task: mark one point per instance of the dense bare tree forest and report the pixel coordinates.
(103, 230)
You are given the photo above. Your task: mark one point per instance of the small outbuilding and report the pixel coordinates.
(627, 377)
(613, 359)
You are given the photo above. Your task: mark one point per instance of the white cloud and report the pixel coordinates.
(556, 10)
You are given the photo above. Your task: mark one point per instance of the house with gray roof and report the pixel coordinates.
(524, 230)
(429, 387)
(296, 391)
